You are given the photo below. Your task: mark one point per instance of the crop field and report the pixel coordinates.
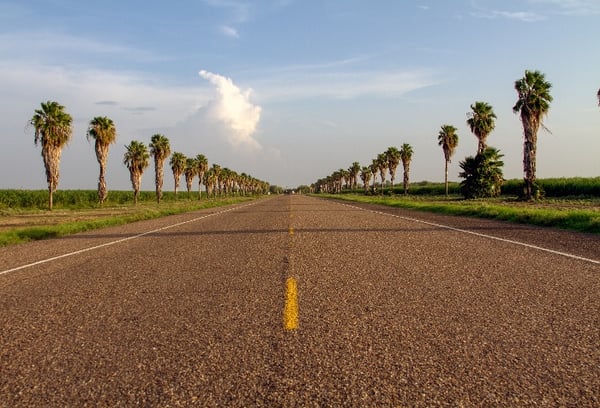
(24, 215)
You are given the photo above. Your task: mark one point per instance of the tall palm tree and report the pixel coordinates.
(598, 95)
(406, 153)
(190, 172)
(533, 104)
(160, 149)
(103, 131)
(393, 158)
(136, 159)
(201, 168)
(481, 122)
(354, 170)
(448, 139)
(53, 129)
(382, 165)
(177, 164)
(365, 176)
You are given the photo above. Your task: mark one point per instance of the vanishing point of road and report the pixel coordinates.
(295, 301)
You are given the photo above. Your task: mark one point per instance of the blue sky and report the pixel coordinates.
(290, 91)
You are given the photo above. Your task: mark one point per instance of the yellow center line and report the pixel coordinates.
(290, 311)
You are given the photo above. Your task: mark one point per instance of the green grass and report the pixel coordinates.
(78, 199)
(68, 221)
(579, 215)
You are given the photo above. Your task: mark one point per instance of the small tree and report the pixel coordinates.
(482, 174)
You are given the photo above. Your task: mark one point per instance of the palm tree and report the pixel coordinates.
(354, 170)
(481, 122)
(598, 95)
(190, 172)
(209, 182)
(533, 104)
(365, 176)
(177, 164)
(53, 130)
(382, 165)
(136, 159)
(393, 158)
(201, 168)
(374, 169)
(160, 149)
(103, 131)
(406, 152)
(217, 178)
(448, 139)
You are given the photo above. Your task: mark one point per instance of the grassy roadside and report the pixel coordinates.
(573, 214)
(18, 226)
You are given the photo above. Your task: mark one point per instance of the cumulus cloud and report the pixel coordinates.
(232, 108)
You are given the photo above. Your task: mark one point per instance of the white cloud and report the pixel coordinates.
(229, 31)
(525, 16)
(232, 107)
(572, 7)
(344, 85)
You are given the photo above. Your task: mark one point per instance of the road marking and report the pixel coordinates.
(510, 241)
(290, 311)
(54, 258)
(291, 230)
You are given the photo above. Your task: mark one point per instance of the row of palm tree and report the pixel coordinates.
(53, 129)
(384, 162)
(216, 180)
(533, 103)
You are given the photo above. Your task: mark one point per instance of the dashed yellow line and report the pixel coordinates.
(290, 311)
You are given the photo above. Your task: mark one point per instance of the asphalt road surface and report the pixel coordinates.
(297, 301)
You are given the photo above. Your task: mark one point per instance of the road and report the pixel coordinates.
(297, 301)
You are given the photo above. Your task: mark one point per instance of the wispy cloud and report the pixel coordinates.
(229, 31)
(51, 46)
(239, 11)
(570, 7)
(344, 85)
(525, 16)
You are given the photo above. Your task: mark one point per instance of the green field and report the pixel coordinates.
(24, 215)
(569, 203)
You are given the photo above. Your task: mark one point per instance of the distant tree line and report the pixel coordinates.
(53, 129)
(482, 174)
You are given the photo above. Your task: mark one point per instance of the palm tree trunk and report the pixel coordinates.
(101, 155)
(446, 178)
(392, 181)
(158, 165)
(529, 154)
(51, 158)
(406, 179)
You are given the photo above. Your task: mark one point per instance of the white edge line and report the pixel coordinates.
(510, 241)
(80, 251)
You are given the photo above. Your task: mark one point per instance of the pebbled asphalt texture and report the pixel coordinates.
(392, 311)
